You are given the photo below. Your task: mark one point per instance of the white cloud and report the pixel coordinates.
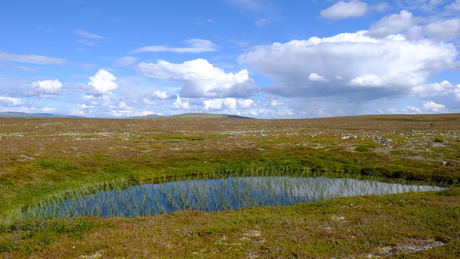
(219, 104)
(145, 113)
(227, 103)
(444, 93)
(103, 105)
(427, 90)
(275, 103)
(159, 95)
(416, 28)
(245, 103)
(48, 86)
(48, 109)
(359, 68)
(42, 88)
(201, 79)
(194, 46)
(103, 82)
(316, 78)
(180, 104)
(342, 10)
(392, 24)
(125, 61)
(34, 59)
(88, 35)
(410, 109)
(9, 101)
(434, 107)
(367, 81)
(444, 29)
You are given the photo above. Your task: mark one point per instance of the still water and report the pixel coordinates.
(216, 195)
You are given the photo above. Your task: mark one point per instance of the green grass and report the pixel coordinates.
(31, 235)
(176, 137)
(365, 148)
(439, 139)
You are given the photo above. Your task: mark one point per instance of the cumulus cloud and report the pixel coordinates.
(219, 104)
(201, 79)
(392, 24)
(42, 88)
(194, 46)
(103, 82)
(411, 109)
(444, 93)
(106, 105)
(48, 86)
(275, 103)
(416, 27)
(434, 107)
(181, 104)
(444, 29)
(413, 27)
(245, 103)
(159, 95)
(342, 10)
(33, 59)
(358, 67)
(227, 103)
(316, 78)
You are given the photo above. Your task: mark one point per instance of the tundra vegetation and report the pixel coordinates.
(45, 159)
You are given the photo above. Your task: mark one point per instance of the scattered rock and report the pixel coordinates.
(349, 137)
(338, 218)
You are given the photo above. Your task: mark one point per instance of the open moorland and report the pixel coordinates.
(55, 158)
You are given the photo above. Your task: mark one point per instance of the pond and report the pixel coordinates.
(215, 195)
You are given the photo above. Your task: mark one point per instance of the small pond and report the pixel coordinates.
(216, 195)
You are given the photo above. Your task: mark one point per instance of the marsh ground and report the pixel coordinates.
(43, 157)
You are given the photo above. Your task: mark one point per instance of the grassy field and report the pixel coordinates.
(55, 157)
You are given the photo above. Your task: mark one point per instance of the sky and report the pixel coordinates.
(256, 58)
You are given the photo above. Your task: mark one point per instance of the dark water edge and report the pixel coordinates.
(216, 195)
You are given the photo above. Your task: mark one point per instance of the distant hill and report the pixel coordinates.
(35, 115)
(152, 116)
(192, 115)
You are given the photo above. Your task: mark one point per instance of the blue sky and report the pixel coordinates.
(258, 58)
